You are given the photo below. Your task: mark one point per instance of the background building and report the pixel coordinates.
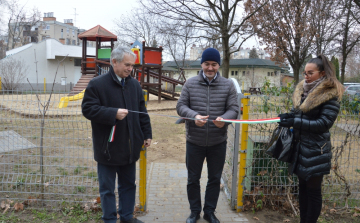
(48, 28)
(48, 54)
(248, 72)
(243, 53)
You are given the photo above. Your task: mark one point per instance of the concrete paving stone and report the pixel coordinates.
(167, 196)
(237, 219)
(165, 218)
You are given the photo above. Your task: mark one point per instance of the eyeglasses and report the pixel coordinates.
(309, 74)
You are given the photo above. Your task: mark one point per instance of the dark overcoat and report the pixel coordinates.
(103, 97)
(313, 119)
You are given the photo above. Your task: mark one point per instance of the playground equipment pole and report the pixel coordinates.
(0, 84)
(242, 161)
(142, 174)
(44, 85)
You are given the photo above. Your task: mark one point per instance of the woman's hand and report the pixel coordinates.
(286, 116)
(286, 122)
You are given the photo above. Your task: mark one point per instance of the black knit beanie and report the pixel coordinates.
(210, 54)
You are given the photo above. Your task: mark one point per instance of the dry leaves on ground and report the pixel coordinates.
(286, 220)
(332, 211)
(256, 218)
(18, 207)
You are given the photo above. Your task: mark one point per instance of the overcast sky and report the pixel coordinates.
(89, 13)
(92, 13)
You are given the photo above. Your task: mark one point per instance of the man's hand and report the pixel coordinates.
(147, 142)
(121, 113)
(217, 123)
(200, 123)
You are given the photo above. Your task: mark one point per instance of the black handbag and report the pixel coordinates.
(280, 145)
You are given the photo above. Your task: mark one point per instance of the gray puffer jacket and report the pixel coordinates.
(218, 99)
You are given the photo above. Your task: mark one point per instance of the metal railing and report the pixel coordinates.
(47, 160)
(266, 180)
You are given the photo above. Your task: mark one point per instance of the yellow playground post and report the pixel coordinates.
(142, 172)
(65, 100)
(242, 162)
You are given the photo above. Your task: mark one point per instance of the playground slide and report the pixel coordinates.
(65, 100)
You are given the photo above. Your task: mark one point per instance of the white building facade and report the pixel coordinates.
(48, 54)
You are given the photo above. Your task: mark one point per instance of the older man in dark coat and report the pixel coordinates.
(118, 134)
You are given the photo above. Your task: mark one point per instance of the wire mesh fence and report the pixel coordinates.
(267, 181)
(45, 160)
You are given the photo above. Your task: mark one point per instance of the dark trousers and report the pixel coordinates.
(215, 158)
(126, 191)
(310, 199)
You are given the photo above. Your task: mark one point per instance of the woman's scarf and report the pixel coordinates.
(309, 87)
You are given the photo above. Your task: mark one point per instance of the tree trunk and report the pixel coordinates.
(296, 74)
(226, 57)
(343, 65)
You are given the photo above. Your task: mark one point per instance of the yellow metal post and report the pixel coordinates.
(44, 85)
(0, 84)
(242, 161)
(142, 172)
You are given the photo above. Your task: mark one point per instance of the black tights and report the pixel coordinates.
(310, 199)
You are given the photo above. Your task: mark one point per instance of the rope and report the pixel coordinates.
(253, 121)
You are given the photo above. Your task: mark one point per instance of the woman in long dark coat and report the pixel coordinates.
(316, 106)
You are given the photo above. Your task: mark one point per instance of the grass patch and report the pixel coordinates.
(62, 171)
(92, 174)
(80, 189)
(79, 169)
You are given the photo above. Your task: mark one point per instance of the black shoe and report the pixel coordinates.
(194, 216)
(134, 220)
(210, 217)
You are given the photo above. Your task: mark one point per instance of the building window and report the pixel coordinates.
(46, 27)
(272, 73)
(67, 30)
(236, 73)
(268, 73)
(275, 73)
(67, 41)
(243, 73)
(232, 73)
(45, 37)
(73, 32)
(77, 62)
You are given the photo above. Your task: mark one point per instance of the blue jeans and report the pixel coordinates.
(126, 191)
(215, 158)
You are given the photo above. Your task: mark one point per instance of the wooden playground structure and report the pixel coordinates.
(147, 69)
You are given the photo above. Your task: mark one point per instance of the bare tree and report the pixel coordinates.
(20, 22)
(253, 53)
(284, 26)
(221, 16)
(326, 20)
(357, 2)
(349, 35)
(137, 25)
(177, 39)
(13, 73)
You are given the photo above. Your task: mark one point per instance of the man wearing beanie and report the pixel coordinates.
(208, 98)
